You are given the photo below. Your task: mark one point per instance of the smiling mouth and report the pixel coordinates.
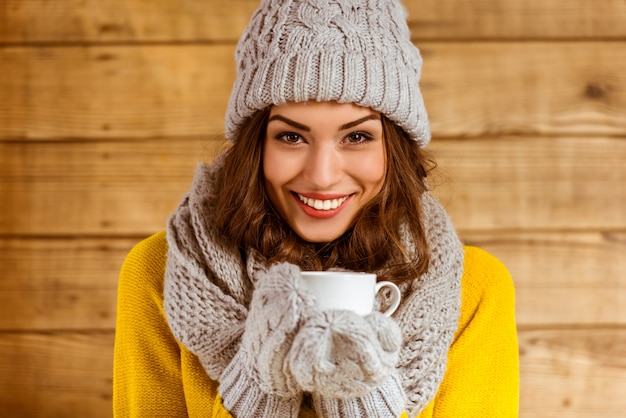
(318, 204)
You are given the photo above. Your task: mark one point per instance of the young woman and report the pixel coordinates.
(326, 171)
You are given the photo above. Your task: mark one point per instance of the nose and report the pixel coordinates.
(323, 166)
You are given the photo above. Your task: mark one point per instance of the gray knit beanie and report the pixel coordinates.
(349, 51)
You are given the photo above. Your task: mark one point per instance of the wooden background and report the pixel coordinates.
(106, 106)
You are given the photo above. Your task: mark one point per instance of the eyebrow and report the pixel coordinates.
(357, 122)
(302, 127)
(290, 122)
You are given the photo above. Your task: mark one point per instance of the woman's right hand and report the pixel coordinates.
(278, 308)
(258, 381)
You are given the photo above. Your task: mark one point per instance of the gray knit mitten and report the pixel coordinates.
(348, 363)
(257, 382)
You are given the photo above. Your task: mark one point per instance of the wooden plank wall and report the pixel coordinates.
(106, 106)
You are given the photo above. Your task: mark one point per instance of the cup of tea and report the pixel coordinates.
(349, 290)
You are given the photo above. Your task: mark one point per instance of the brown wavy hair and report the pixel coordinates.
(373, 243)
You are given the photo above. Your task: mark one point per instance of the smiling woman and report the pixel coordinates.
(326, 171)
(258, 211)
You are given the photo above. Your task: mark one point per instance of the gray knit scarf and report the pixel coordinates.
(209, 283)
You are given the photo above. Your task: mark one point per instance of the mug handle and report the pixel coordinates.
(395, 296)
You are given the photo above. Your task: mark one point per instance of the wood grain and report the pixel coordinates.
(525, 88)
(533, 182)
(572, 373)
(94, 188)
(62, 283)
(471, 90)
(517, 19)
(56, 374)
(574, 278)
(96, 21)
(114, 92)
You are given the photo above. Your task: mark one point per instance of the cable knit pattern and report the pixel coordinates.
(429, 315)
(209, 284)
(348, 362)
(206, 289)
(381, 402)
(257, 381)
(350, 51)
(340, 354)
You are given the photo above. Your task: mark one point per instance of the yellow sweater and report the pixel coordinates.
(155, 376)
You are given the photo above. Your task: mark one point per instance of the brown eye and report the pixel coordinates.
(358, 138)
(289, 138)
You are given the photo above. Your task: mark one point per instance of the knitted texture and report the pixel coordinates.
(430, 310)
(348, 362)
(381, 402)
(257, 382)
(277, 311)
(349, 51)
(208, 288)
(242, 396)
(341, 354)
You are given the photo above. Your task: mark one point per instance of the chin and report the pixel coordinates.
(316, 237)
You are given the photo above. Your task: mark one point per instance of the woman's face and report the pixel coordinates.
(322, 163)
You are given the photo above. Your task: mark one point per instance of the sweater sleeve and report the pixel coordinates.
(482, 377)
(147, 376)
(153, 375)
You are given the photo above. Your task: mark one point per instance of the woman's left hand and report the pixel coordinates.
(341, 354)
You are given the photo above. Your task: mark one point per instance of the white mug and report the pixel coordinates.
(348, 290)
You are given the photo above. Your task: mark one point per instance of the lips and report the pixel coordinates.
(323, 208)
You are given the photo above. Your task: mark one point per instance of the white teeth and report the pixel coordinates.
(322, 204)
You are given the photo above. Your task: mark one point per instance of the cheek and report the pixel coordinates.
(379, 168)
(274, 171)
(278, 170)
(370, 169)
(270, 164)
